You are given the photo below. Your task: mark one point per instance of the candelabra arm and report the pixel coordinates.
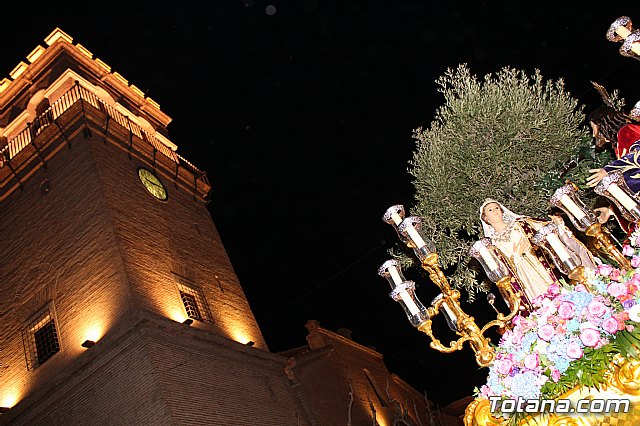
(513, 298)
(430, 264)
(425, 327)
(604, 243)
(467, 329)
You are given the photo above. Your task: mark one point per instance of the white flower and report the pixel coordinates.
(634, 313)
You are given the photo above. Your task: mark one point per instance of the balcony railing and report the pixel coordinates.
(68, 99)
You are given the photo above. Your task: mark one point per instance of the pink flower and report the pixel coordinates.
(574, 350)
(554, 289)
(566, 310)
(617, 289)
(531, 361)
(597, 308)
(581, 288)
(627, 250)
(615, 275)
(635, 261)
(546, 332)
(610, 325)
(604, 270)
(590, 337)
(555, 374)
(504, 366)
(621, 317)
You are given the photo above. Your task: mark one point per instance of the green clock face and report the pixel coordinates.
(152, 184)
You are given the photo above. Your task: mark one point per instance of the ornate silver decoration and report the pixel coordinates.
(622, 21)
(398, 209)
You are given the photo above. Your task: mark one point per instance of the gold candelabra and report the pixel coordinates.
(448, 302)
(566, 198)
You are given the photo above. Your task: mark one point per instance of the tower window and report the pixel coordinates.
(194, 302)
(40, 338)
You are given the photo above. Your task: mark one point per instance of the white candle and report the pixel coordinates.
(396, 218)
(395, 276)
(624, 33)
(410, 304)
(488, 259)
(558, 247)
(620, 195)
(417, 239)
(449, 312)
(572, 207)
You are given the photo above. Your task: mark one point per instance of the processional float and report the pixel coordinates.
(624, 376)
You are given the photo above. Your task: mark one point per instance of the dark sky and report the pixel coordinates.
(303, 120)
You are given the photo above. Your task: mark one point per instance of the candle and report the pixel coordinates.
(409, 303)
(620, 195)
(558, 247)
(572, 207)
(417, 239)
(395, 276)
(624, 33)
(488, 259)
(449, 312)
(396, 218)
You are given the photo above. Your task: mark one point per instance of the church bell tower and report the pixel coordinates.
(118, 298)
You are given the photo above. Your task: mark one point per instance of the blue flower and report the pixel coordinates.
(524, 386)
(573, 326)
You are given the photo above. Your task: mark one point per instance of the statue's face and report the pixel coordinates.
(492, 213)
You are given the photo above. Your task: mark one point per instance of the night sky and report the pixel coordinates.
(301, 112)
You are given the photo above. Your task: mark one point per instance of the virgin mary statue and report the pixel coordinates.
(511, 234)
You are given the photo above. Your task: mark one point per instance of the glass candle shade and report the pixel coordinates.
(450, 317)
(615, 188)
(410, 229)
(394, 217)
(566, 198)
(403, 292)
(563, 257)
(490, 259)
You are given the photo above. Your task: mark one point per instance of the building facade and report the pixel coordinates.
(120, 303)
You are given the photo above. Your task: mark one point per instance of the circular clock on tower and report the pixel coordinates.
(152, 184)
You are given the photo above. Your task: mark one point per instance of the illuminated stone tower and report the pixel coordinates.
(107, 253)
(119, 304)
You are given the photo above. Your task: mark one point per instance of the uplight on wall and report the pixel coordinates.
(178, 315)
(9, 400)
(240, 336)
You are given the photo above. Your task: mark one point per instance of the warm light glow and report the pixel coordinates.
(240, 336)
(177, 314)
(94, 333)
(9, 400)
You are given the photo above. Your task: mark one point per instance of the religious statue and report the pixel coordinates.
(511, 234)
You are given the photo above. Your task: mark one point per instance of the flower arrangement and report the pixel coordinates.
(572, 336)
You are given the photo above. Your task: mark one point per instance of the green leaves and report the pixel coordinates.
(590, 370)
(628, 342)
(493, 137)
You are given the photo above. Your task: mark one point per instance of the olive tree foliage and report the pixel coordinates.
(495, 137)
